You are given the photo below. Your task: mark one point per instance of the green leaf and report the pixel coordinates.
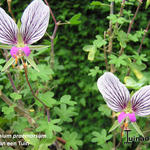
(131, 83)
(147, 4)
(19, 24)
(72, 140)
(115, 19)
(65, 113)
(92, 50)
(98, 3)
(137, 36)
(38, 47)
(115, 125)
(10, 62)
(44, 143)
(105, 110)
(95, 71)
(75, 19)
(139, 58)
(47, 99)
(30, 139)
(99, 42)
(4, 148)
(38, 144)
(9, 112)
(66, 99)
(3, 121)
(118, 61)
(136, 127)
(32, 63)
(116, 1)
(122, 38)
(100, 138)
(48, 127)
(133, 37)
(15, 96)
(112, 18)
(20, 125)
(107, 146)
(2, 61)
(45, 73)
(137, 70)
(6, 46)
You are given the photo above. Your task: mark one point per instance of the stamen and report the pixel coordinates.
(16, 61)
(20, 51)
(125, 125)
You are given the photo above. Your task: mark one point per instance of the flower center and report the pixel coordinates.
(20, 51)
(127, 112)
(123, 115)
(128, 109)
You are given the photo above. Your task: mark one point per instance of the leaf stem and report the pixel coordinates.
(26, 76)
(146, 30)
(12, 82)
(105, 53)
(133, 19)
(122, 7)
(130, 25)
(9, 9)
(122, 129)
(48, 114)
(53, 36)
(110, 45)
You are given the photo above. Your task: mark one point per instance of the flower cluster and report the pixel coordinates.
(118, 98)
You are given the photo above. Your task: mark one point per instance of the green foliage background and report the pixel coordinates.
(73, 74)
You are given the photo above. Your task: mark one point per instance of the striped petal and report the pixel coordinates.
(141, 101)
(8, 29)
(34, 21)
(113, 91)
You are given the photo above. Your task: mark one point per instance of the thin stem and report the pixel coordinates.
(61, 140)
(52, 54)
(110, 45)
(48, 114)
(110, 29)
(26, 76)
(9, 9)
(122, 7)
(121, 12)
(114, 133)
(146, 30)
(122, 129)
(51, 12)
(59, 23)
(105, 54)
(111, 34)
(53, 36)
(130, 26)
(133, 19)
(140, 47)
(12, 82)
